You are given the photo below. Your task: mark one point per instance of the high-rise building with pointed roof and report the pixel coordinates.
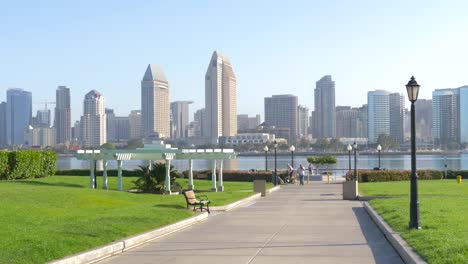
(155, 103)
(220, 99)
(93, 122)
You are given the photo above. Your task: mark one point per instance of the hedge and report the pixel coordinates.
(26, 164)
(236, 175)
(394, 175)
(452, 174)
(85, 172)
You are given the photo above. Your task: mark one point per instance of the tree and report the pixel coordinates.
(336, 145)
(321, 161)
(154, 180)
(388, 142)
(321, 144)
(108, 145)
(134, 143)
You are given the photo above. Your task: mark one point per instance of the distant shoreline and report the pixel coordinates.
(367, 153)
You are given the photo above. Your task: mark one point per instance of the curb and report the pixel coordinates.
(398, 243)
(242, 202)
(120, 246)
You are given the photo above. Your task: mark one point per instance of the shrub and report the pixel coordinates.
(452, 174)
(393, 175)
(3, 164)
(246, 176)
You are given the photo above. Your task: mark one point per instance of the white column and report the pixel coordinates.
(119, 175)
(190, 176)
(91, 174)
(150, 164)
(168, 176)
(213, 176)
(104, 175)
(220, 183)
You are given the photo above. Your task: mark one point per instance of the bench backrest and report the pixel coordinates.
(190, 196)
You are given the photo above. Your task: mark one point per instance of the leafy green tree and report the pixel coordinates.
(134, 143)
(321, 144)
(388, 142)
(108, 145)
(154, 180)
(322, 161)
(335, 145)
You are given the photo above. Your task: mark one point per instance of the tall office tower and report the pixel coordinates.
(362, 120)
(450, 117)
(110, 125)
(397, 116)
(324, 108)
(281, 112)
(62, 121)
(245, 123)
(180, 117)
(346, 122)
(76, 129)
(18, 115)
(463, 114)
(302, 121)
(378, 113)
(134, 120)
(3, 136)
(42, 118)
(197, 126)
(220, 99)
(423, 108)
(155, 103)
(93, 121)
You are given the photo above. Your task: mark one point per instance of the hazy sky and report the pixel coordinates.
(276, 47)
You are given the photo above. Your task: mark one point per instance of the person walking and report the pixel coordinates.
(301, 172)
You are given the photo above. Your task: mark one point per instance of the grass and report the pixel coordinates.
(443, 214)
(47, 219)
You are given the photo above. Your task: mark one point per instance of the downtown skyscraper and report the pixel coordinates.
(324, 115)
(220, 99)
(18, 115)
(155, 115)
(385, 115)
(281, 111)
(93, 122)
(62, 122)
(180, 118)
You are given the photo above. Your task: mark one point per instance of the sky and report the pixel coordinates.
(275, 47)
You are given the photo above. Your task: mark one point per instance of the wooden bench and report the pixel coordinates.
(191, 199)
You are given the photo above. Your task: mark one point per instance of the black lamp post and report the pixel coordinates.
(413, 90)
(292, 149)
(275, 145)
(266, 157)
(379, 148)
(356, 176)
(349, 148)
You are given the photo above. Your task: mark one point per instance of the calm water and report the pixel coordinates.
(453, 161)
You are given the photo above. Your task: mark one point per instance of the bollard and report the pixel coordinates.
(328, 178)
(459, 179)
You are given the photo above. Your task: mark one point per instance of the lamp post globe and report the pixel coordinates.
(379, 148)
(349, 148)
(292, 149)
(266, 157)
(412, 88)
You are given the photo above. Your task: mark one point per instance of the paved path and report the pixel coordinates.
(297, 224)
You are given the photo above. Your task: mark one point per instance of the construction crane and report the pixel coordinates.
(45, 102)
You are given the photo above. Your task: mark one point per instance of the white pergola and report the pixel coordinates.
(157, 150)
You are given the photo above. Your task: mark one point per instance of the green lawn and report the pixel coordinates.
(46, 219)
(444, 216)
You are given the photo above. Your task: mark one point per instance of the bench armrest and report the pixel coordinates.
(202, 197)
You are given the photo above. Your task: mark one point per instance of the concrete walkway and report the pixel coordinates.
(297, 224)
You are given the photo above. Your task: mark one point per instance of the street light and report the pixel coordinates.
(379, 148)
(292, 149)
(412, 89)
(349, 148)
(356, 176)
(275, 145)
(266, 157)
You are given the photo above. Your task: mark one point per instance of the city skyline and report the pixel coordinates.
(364, 45)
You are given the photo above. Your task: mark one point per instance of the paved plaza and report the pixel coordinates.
(297, 224)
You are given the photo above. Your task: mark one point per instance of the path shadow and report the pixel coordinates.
(60, 184)
(381, 249)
